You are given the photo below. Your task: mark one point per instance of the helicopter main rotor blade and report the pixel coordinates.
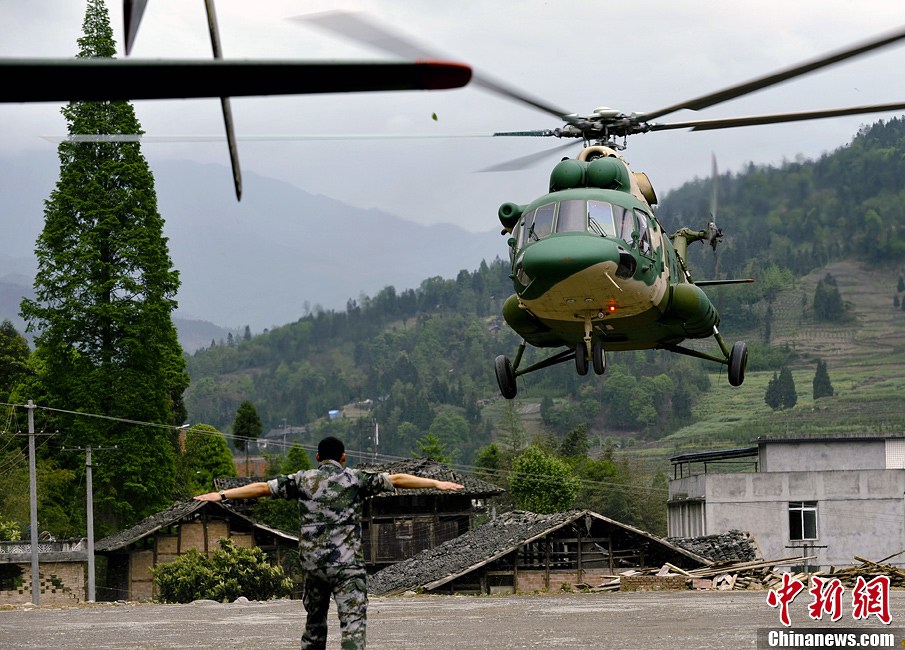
(100, 79)
(777, 77)
(526, 161)
(778, 118)
(356, 27)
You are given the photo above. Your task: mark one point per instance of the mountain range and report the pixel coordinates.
(269, 260)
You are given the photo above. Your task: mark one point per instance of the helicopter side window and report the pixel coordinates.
(625, 223)
(543, 223)
(572, 216)
(600, 219)
(524, 226)
(643, 232)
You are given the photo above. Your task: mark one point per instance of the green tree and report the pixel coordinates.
(247, 426)
(14, 354)
(575, 444)
(822, 385)
(104, 293)
(828, 303)
(454, 432)
(430, 446)
(542, 483)
(781, 393)
(206, 457)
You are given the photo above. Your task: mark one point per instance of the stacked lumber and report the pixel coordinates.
(868, 570)
(761, 574)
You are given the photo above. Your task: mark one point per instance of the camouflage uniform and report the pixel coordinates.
(330, 502)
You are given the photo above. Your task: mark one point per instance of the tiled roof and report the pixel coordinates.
(434, 567)
(178, 512)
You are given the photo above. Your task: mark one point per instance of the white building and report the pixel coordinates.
(828, 497)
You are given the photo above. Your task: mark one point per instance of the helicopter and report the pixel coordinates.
(593, 269)
(107, 79)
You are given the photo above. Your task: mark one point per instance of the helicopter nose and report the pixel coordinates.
(558, 257)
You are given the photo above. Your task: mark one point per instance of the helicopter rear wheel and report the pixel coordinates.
(598, 356)
(505, 377)
(738, 361)
(581, 358)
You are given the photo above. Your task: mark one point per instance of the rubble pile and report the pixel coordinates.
(731, 546)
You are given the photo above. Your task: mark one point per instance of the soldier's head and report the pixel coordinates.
(331, 448)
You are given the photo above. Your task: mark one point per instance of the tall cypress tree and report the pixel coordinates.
(104, 294)
(822, 385)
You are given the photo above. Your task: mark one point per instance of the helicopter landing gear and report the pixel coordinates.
(598, 356)
(581, 358)
(505, 377)
(738, 361)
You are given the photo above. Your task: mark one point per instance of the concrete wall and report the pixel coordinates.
(859, 512)
(821, 455)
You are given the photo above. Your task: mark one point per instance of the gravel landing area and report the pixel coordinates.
(683, 619)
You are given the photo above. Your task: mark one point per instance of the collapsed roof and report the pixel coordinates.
(477, 548)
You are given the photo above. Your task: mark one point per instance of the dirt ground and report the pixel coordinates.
(685, 619)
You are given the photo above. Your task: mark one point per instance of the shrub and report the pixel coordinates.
(228, 573)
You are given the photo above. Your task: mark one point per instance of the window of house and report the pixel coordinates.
(802, 520)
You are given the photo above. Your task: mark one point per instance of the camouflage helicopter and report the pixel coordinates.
(592, 266)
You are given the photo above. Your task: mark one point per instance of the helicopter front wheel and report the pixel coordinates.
(738, 361)
(581, 358)
(505, 377)
(598, 356)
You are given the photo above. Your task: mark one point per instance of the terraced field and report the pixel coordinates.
(865, 356)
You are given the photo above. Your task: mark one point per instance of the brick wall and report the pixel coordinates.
(60, 583)
(652, 583)
(528, 581)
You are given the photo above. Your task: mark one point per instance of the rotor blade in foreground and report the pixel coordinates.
(132, 13)
(99, 79)
(224, 102)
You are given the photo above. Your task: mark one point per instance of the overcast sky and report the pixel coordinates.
(578, 54)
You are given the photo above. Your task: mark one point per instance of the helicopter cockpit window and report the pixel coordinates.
(543, 223)
(600, 219)
(625, 223)
(571, 216)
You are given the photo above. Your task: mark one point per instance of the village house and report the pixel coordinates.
(825, 498)
(524, 552)
(161, 538)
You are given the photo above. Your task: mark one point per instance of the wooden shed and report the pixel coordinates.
(160, 538)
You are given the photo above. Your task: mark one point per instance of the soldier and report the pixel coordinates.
(330, 503)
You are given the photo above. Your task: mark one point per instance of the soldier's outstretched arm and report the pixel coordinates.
(411, 482)
(250, 491)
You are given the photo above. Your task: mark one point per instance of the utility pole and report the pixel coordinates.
(33, 490)
(89, 483)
